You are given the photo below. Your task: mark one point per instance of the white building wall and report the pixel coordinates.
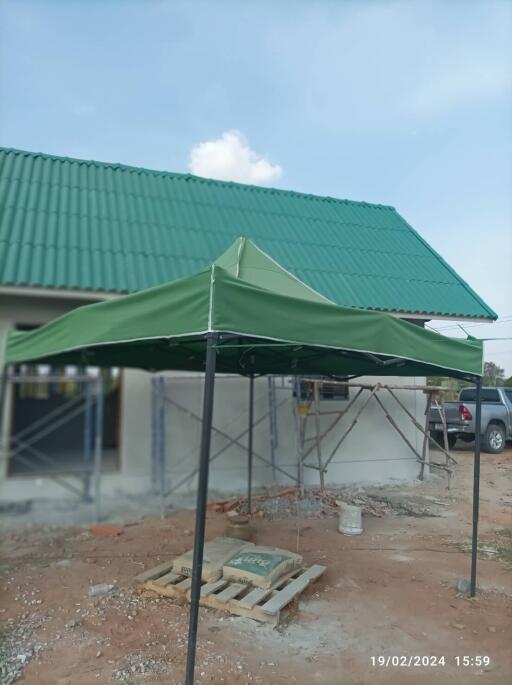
(373, 452)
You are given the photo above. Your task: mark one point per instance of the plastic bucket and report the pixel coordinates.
(350, 519)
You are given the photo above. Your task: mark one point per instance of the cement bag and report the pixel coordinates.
(216, 553)
(260, 566)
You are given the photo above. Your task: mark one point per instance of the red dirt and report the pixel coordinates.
(387, 592)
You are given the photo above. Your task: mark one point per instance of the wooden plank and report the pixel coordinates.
(213, 587)
(154, 572)
(254, 597)
(168, 578)
(283, 597)
(258, 594)
(184, 585)
(166, 590)
(232, 590)
(234, 608)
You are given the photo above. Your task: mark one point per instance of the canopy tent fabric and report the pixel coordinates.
(268, 321)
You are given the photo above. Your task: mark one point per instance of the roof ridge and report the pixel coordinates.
(193, 177)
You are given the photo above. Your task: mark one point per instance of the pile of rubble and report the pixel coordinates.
(317, 503)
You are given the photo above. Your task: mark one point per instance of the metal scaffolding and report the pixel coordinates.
(305, 394)
(162, 398)
(88, 401)
(310, 407)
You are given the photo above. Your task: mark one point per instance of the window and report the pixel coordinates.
(328, 390)
(508, 394)
(488, 395)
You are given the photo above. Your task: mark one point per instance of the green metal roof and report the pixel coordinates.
(93, 226)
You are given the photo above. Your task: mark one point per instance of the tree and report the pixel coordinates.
(508, 382)
(493, 374)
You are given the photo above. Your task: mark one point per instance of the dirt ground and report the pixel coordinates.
(388, 592)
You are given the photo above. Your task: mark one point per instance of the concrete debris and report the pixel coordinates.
(463, 585)
(316, 503)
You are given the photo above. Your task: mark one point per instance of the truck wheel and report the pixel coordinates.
(494, 439)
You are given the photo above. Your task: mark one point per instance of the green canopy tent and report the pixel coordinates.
(245, 314)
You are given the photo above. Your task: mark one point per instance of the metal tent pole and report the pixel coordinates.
(249, 443)
(202, 493)
(476, 485)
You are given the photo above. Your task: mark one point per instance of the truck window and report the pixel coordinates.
(488, 395)
(508, 393)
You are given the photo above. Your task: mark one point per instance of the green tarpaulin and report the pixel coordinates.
(268, 321)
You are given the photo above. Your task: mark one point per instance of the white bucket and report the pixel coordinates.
(350, 519)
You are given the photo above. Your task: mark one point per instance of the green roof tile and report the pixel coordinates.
(94, 226)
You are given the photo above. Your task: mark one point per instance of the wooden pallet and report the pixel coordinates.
(236, 598)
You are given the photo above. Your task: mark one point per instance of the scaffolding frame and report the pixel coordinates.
(161, 398)
(311, 407)
(303, 410)
(89, 402)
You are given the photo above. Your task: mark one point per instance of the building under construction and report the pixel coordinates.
(77, 232)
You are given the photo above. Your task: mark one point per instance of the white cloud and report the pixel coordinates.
(230, 158)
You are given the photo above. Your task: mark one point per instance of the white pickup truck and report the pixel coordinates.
(460, 418)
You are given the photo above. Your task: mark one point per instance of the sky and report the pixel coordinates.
(401, 103)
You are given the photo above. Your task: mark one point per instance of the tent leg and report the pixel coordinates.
(202, 493)
(249, 444)
(476, 485)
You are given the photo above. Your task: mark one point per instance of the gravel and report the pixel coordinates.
(17, 646)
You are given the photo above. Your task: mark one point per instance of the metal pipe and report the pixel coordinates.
(52, 427)
(50, 416)
(249, 443)
(87, 442)
(272, 423)
(299, 434)
(231, 441)
(476, 485)
(50, 379)
(161, 444)
(98, 448)
(153, 433)
(202, 494)
(3, 405)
